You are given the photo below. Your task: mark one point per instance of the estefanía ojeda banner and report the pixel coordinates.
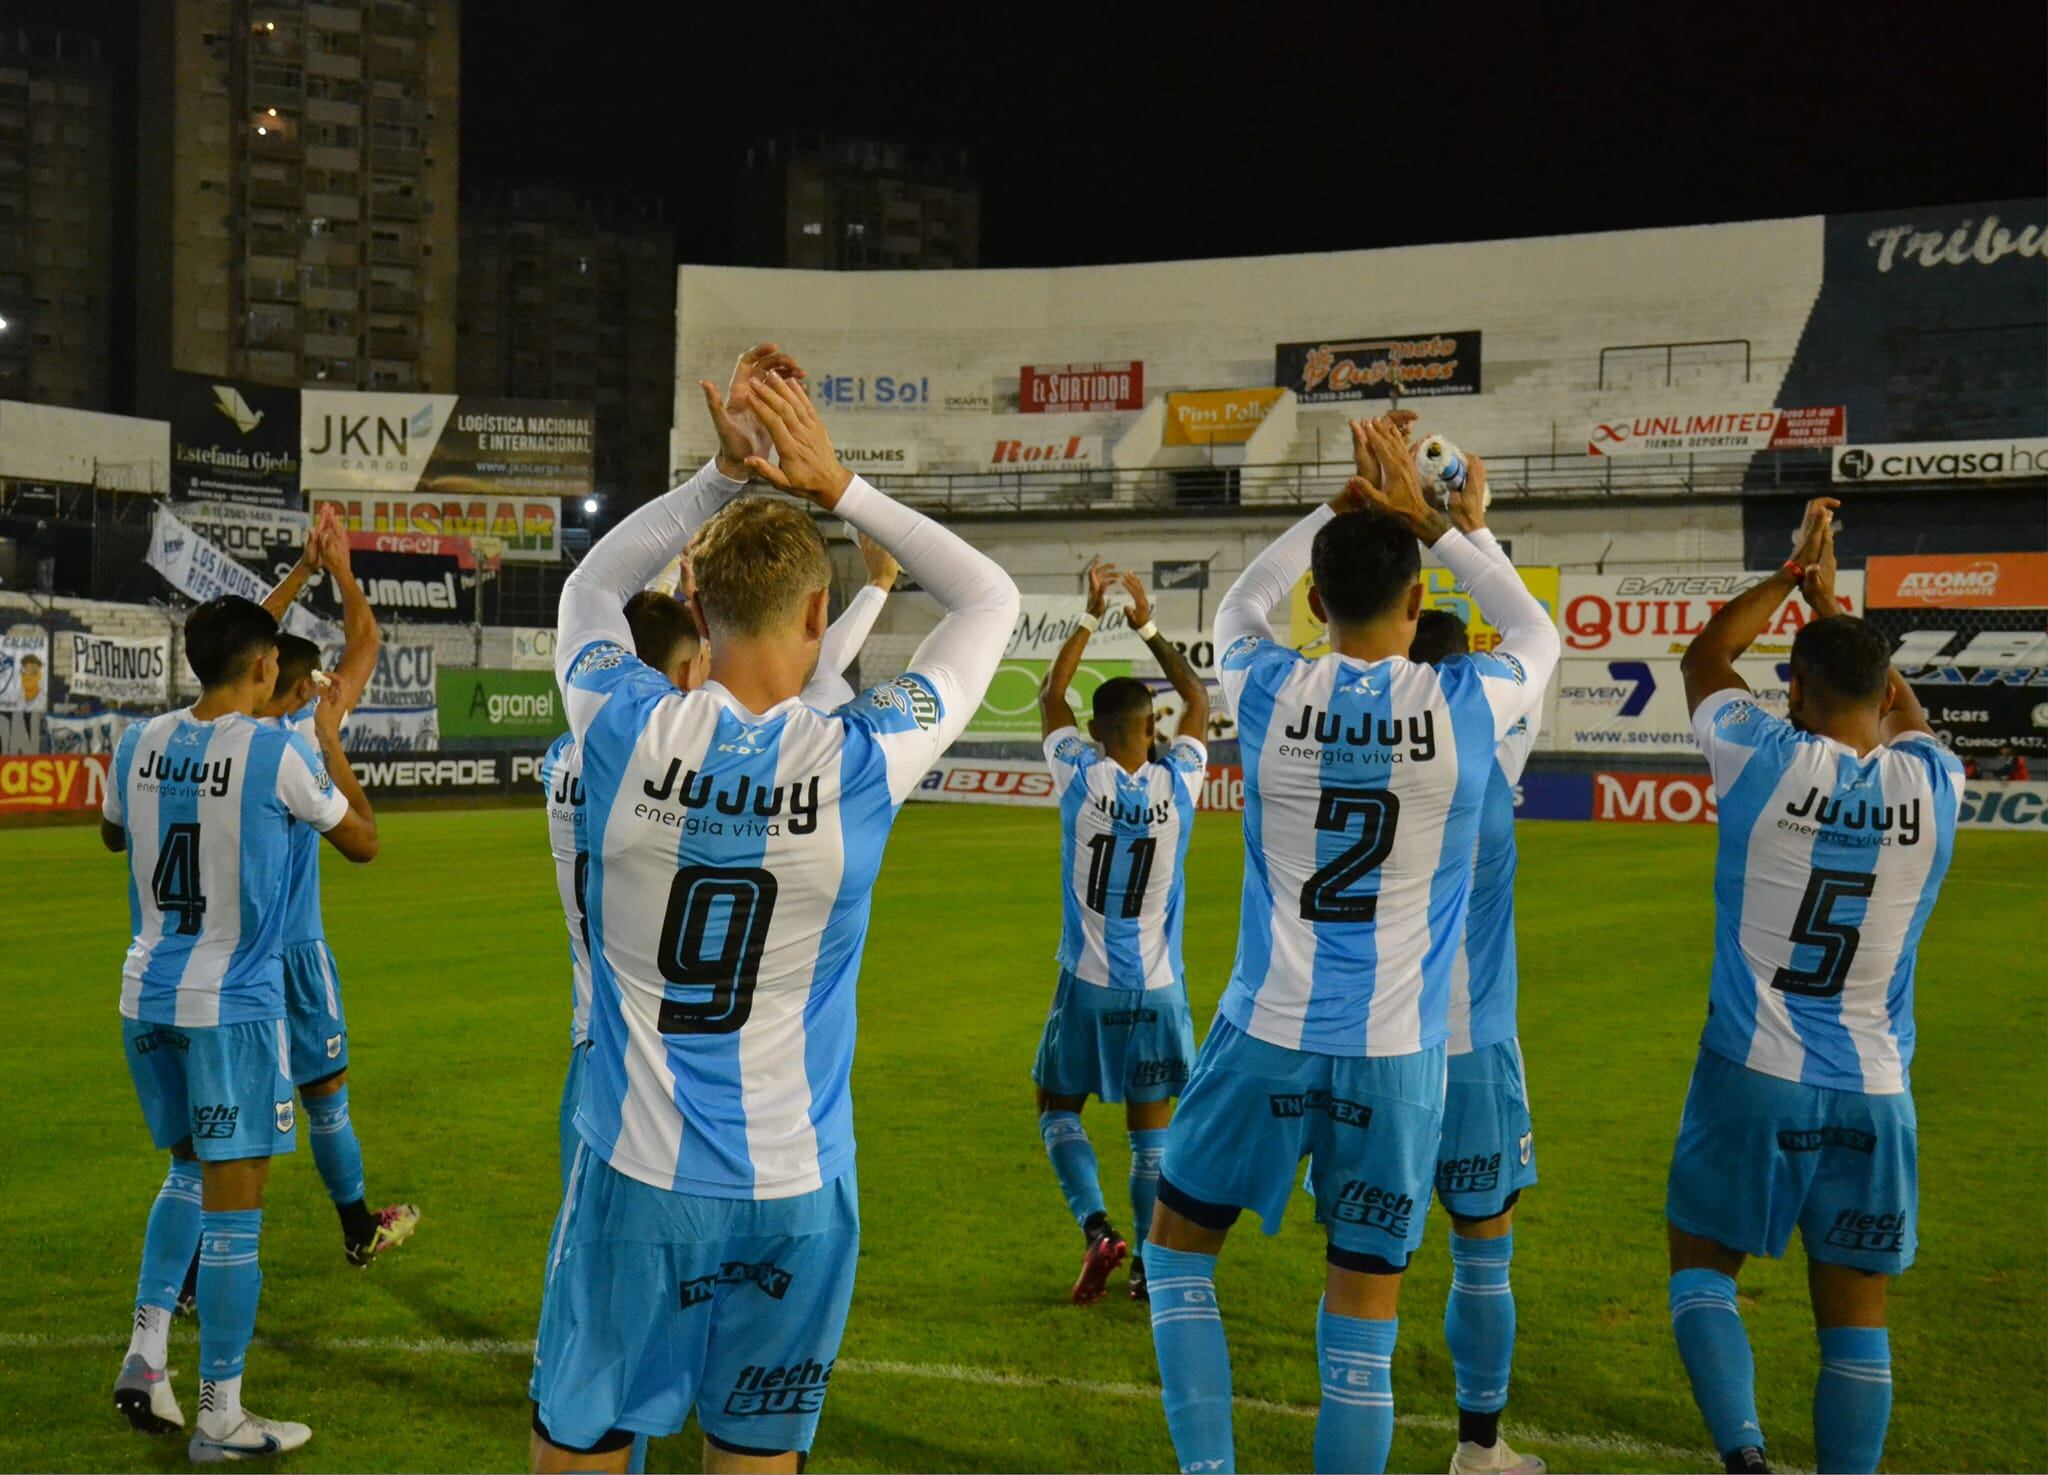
(233, 442)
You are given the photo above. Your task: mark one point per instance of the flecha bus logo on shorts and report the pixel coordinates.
(796, 1389)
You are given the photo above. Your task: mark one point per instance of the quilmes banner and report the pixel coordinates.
(1951, 460)
(1656, 613)
(1367, 368)
(482, 703)
(24, 669)
(1051, 389)
(1719, 429)
(129, 670)
(197, 569)
(234, 442)
(1219, 417)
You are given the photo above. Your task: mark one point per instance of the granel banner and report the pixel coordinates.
(1216, 417)
(1635, 706)
(44, 784)
(520, 529)
(25, 669)
(499, 704)
(1080, 388)
(445, 446)
(1440, 590)
(1959, 581)
(1760, 429)
(1651, 615)
(1368, 368)
(233, 442)
(128, 670)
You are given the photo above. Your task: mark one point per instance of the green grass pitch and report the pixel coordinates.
(961, 1352)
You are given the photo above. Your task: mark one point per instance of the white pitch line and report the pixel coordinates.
(943, 1372)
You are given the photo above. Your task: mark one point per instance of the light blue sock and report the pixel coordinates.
(1194, 1357)
(1479, 1321)
(1852, 1402)
(1717, 1358)
(172, 1238)
(1355, 1426)
(230, 1281)
(1148, 1151)
(336, 1153)
(1073, 1162)
(638, 1464)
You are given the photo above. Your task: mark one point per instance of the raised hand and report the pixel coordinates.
(809, 467)
(333, 539)
(1819, 584)
(1100, 576)
(1813, 530)
(1398, 491)
(1468, 503)
(741, 433)
(1402, 421)
(1141, 603)
(882, 565)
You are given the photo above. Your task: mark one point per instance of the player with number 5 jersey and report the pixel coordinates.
(1364, 778)
(704, 1255)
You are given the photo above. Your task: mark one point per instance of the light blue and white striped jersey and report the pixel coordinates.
(561, 782)
(208, 807)
(1484, 978)
(302, 919)
(731, 857)
(1828, 868)
(1123, 855)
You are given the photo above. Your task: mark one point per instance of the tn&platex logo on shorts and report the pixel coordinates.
(1359, 1202)
(1813, 1139)
(772, 1279)
(1351, 1113)
(797, 1389)
(1854, 1229)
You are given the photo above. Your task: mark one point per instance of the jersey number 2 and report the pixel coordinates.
(1323, 898)
(1837, 941)
(175, 882)
(727, 908)
(1101, 855)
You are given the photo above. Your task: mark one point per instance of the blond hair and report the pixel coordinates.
(755, 562)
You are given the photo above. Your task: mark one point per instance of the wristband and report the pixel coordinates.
(1088, 621)
(1796, 569)
(1147, 630)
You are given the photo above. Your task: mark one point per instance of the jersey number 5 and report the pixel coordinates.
(727, 909)
(1323, 898)
(1837, 941)
(175, 882)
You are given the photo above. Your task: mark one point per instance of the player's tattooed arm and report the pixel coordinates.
(287, 590)
(1709, 662)
(1053, 711)
(356, 836)
(1194, 694)
(360, 636)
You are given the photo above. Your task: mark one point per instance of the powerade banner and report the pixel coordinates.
(128, 670)
(233, 442)
(493, 773)
(1368, 368)
(499, 704)
(1656, 613)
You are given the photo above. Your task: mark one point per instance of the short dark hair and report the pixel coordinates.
(1842, 659)
(224, 635)
(1120, 701)
(1364, 563)
(663, 628)
(1438, 634)
(297, 658)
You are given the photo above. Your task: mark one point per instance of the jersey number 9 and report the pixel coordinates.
(726, 909)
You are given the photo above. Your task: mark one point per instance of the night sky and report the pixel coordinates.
(1199, 129)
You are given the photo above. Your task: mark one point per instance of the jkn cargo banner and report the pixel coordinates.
(1368, 368)
(233, 442)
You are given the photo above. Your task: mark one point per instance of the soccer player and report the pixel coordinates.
(704, 1254)
(204, 801)
(312, 981)
(1487, 1153)
(1365, 775)
(1836, 829)
(1119, 1027)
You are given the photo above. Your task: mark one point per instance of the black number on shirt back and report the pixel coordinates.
(175, 882)
(1101, 856)
(1324, 898)
(582, 892)
(1837, 941)
(711, 937)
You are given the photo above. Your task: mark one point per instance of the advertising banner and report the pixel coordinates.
(2007, 806)
(499, 704)
(1010, 709)
(1216, 417)
(1645, 616)
(522, 529)
(1959, 581)
(1024, 448)
(47, 783)
(896, 391)
(1958, 460)
(468, 775)
(267, 539)
(1080, 388)
(1026, 783)
(390, 730)
(1655, 798)
(1633, 706)
(234, 442)
(131, 670)
(1367, 368)
(25, 669)
(1440, 590)
(1759, 429)
(1044, 621)
(400, 707)
(533, 648)
(870, 456)
(200, 571)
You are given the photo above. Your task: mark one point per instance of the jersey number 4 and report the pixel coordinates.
(711, 937)
(1324, 898)
(175, 882)
(1814, 927)
(1101, 856)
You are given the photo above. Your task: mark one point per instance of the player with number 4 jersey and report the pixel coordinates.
(1119, 1028)
(1836, 828)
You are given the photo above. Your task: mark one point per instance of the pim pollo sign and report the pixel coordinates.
(1080, 388)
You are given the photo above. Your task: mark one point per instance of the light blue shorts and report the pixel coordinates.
(572, 1096)
(224, 1086)
(660, 1302)
(1368, 1124)
(312, 1007)
(1116, 1044)
(1488, 1151)
(1757, 1155)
